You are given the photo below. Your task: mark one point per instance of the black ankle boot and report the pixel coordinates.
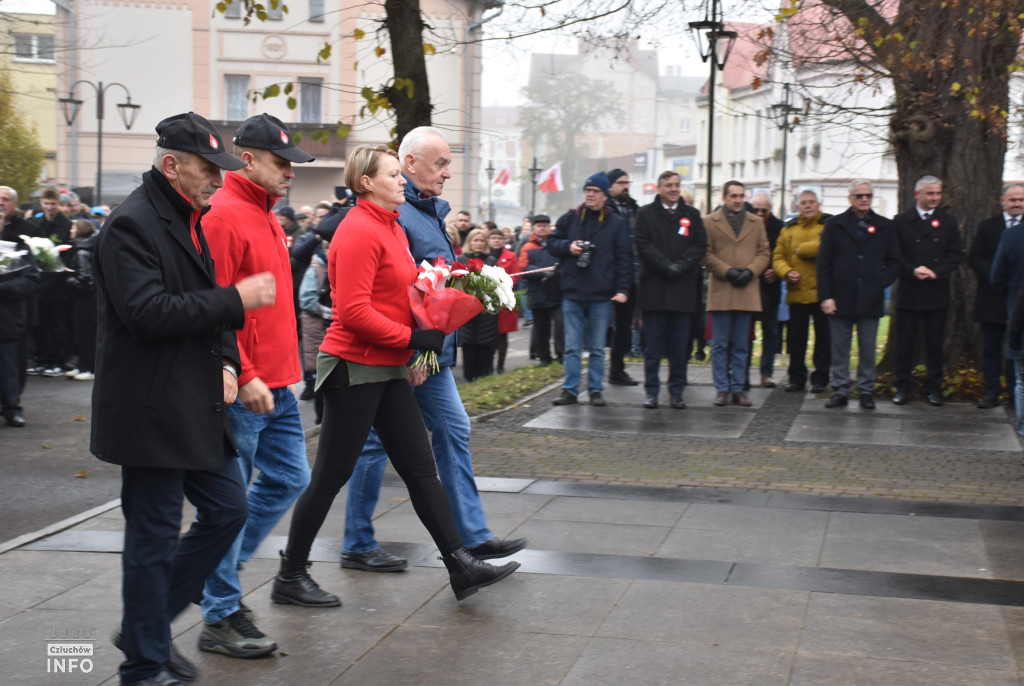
(468, 574)
(294, 586)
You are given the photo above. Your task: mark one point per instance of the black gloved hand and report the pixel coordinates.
(674, 271)
(428, 340)
(745, 277)
(732, 275)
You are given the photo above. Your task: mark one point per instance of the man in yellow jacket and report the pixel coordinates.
(794, 261)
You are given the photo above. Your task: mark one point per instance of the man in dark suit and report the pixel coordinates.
(167, 365)
(991, 306)
(930, 251)
(671, 243)
(771, 291)
(858, 259)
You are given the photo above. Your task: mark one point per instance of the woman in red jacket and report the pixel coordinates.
(362, 371)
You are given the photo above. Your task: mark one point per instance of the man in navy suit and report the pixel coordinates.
(930, 251)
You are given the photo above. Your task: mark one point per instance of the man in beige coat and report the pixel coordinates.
(737, 254)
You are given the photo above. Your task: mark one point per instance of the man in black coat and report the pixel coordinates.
(167, 366)
(19, 278)
(858, 259)
(622, 313)
(930, 251)
(771, 292)
(990, 301)
(671, 243)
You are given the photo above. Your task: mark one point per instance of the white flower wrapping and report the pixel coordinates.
(46, 253)
(502, 290)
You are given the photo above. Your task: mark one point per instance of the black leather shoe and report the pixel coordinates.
(794, 388)
(817, 389)
(467, 574)
(987, 402)
(867, 402)
(597, 400)
(495, 548)
(935, 399)
(836, 401)
(294, 586)
(179, 666)
(651, 402)
(15, 420)
(621, 379)
(377, 560)
(164, 678)
(678, 403)
(901, 398)
(566, 398)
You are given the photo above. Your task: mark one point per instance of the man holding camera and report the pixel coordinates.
(737, 254)
(596, 270)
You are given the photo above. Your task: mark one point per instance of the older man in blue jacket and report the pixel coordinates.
(594, 245)
(425, 159)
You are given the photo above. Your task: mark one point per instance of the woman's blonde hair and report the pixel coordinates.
(483, 233)
(364, 160)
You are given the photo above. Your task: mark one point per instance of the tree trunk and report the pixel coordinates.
(405, 27)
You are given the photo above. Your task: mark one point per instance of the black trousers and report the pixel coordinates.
(163, 574)
(349, 411)
(10, 378)
(545, 321)
(477, 361)
(800, 317)
(666, 331)
(85, 331)
(993, 359)
(622, 334)
(53, 334)
(906, 331)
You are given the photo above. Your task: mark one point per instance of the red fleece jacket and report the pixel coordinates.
(245, 238)
(370, 269)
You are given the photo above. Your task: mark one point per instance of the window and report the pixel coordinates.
(33, 47)
(236, 97)
(316, 10)
(275, 13)
(310, 94)
(684, 125)
(233, 9)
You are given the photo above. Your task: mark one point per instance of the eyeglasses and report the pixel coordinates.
(762, 210)
(863, 196)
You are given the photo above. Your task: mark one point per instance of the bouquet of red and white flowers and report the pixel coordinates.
(447, 296)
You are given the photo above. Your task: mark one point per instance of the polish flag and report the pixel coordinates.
(503, 176)
(550, 181)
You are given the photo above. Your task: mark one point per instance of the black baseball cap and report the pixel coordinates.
(265, 132)
(191, 133)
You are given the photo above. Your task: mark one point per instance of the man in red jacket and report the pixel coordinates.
(245, 238)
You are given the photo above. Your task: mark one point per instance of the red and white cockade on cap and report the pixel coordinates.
(284, 137)
(213, 142)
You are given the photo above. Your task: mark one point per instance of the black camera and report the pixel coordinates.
(583, 260)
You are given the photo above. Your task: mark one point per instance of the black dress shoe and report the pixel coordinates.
(597, 400)
(678, 403)
(794, 387)
(901, 398)
(651, 402)
(495, 548)
(377, 560)
(987, 402)
(178, 665)
(621, 379)
(935, 399)
(867, 402)
(164, 678)
(817, 389)
(566, 398)
(15, 420)
(836, 400)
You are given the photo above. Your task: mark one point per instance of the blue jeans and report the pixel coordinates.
(446, 418)
(1018, 397)
(594, 316)
(275, 444)
(730, 347)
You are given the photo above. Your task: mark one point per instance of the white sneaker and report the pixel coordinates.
(54, 372)
(71, 373)
(84, 376)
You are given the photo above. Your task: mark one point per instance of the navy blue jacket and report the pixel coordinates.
(1008, 265)
(611, 265)
(857, 260)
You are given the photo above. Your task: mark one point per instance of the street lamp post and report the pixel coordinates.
(534, 170)
(716, 43)
(127, 110)
(490, 204)
(782, 111)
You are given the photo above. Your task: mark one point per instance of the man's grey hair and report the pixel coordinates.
(926, 181)
(808, 191)
(861, 182)
(14, 193)
(761, 194)
(1007, 187)
(416, 140)
(161, 152)
(69, 198)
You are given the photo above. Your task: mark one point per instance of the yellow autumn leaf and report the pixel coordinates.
(358, 34)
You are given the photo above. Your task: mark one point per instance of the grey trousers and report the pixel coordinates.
(841, 330)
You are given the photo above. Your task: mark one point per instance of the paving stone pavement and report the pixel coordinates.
(660, 553)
